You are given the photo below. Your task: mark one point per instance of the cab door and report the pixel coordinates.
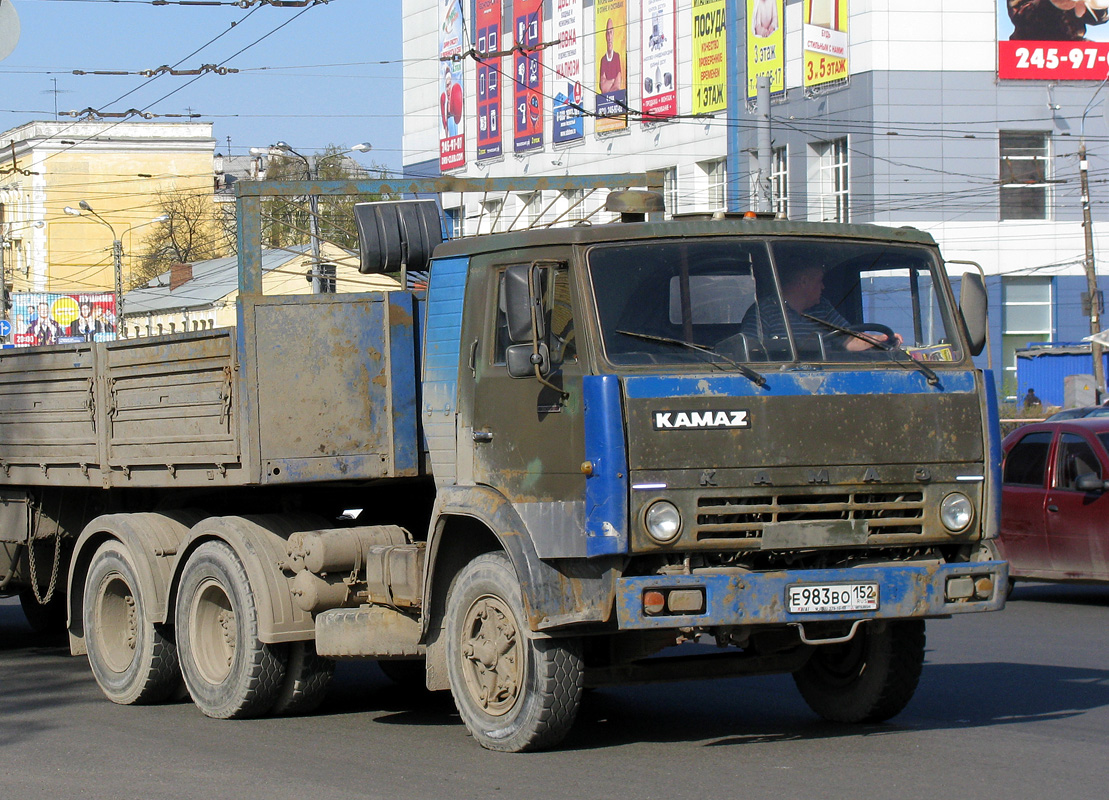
(1024, 490)
(527, 434)
(1075, 519)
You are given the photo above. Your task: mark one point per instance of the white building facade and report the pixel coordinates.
(883, 111)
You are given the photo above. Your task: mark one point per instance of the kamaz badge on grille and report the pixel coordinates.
(682, 420)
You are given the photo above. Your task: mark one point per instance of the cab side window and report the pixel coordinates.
(559, 313)
(1026, 463)
(1075, 458)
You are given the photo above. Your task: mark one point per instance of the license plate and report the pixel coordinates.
(810, 599)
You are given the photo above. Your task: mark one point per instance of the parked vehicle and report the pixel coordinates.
(1079, 413)
(1055, 507)
(579, 448)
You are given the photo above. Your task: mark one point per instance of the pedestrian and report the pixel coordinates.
(1031, 401)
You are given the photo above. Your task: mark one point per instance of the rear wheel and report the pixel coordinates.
(513, 692)
(132, 660)
(230, 674)
(868, 679)
(307, 676)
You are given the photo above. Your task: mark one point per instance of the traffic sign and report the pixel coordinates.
(5, 327)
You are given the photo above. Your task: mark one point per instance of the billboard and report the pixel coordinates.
(658, 48)
(452, 138)
(1038, 40)
(527, 69)
(610, 27)
(710, 56)
(41, 318)
(765, 50)
(824, 35)
(488, 40)
(569, 124)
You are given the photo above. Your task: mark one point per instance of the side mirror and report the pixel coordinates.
(973, 303)
(521, 360)
(523, 304)
(1089, 482)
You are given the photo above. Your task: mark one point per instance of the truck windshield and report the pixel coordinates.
(770, 300)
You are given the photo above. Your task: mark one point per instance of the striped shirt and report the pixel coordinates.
(764, 320)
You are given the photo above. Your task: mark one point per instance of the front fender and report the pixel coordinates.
(556, 592)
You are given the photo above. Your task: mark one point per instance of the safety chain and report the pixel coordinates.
(33, 569)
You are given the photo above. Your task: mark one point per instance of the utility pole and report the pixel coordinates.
(117, 264)
(765, 199)
(1091, 275)
(3, 277)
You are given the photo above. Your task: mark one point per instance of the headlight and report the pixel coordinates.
(664, 522)
(956, 512)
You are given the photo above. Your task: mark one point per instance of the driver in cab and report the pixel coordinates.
(806, 306)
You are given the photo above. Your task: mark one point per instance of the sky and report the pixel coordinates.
(325, 74)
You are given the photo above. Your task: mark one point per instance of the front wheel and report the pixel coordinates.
(514, 692)
(868, 679)
(230, 674)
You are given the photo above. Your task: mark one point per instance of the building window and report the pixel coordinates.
(328, 284)
(455, 222)
(715, 176)
(575, 205)
(491, 220)
(533, 208)
(1023, 174)
(832, 179)
(779, 181)
(1026, 319)
(670, 190)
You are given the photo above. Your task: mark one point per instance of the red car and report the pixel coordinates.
(1055, 501)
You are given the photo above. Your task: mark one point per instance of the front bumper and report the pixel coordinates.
(759, 598)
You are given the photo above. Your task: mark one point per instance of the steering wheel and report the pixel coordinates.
(876, 327)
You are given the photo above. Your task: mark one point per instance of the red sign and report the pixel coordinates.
(1052, 61)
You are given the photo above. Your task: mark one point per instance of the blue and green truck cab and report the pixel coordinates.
(573, 451)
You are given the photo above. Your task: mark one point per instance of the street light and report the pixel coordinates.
(117, 255)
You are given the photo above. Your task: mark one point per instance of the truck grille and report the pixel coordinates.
(743, 518)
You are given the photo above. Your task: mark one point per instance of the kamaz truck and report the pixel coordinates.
(581, 456)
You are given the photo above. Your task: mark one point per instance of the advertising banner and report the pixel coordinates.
(610, 26)
(658, 28)
(40, 318)
(765, 50)
(710, 56)
(452, 138)
(569, 125)
(488, 40)
(1039, 40)
(824, 35)
(527, 66)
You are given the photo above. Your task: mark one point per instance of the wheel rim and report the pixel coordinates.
(213, 631)
(493, 661)
(116, 623)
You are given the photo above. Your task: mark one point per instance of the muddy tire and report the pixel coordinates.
(230, 674)
(307, 676)
(133, 660)
(46, 619)
(513, 692)
(868, 679)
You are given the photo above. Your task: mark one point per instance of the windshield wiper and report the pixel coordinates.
(743, 369)
(890, 347)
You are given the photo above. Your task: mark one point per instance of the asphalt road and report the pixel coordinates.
(1011, 705)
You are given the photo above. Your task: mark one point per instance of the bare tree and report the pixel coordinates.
(195, 231)
(287, 221)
